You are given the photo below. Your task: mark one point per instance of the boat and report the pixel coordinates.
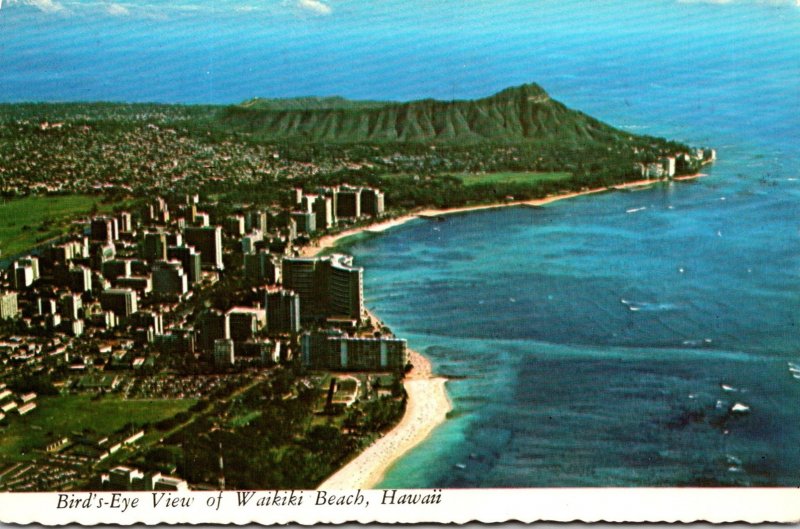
(740, 408)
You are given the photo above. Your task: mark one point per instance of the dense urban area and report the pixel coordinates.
(162, 327)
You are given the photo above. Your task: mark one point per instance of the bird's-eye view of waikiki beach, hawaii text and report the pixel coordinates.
(303, 247)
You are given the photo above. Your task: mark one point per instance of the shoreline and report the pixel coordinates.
(428, 403)
(427, 407)
(328, 241)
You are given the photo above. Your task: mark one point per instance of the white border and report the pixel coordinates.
(751, 505)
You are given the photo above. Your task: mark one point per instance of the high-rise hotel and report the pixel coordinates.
(328, 287)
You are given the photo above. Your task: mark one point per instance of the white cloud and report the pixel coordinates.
(315, 6)
(117, 10)
(159, 10)
(45, 6)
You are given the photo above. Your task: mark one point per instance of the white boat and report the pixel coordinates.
(740, 408)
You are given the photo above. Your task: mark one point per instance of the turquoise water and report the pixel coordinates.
(587, 345)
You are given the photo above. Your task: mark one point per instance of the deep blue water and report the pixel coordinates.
(591, 345)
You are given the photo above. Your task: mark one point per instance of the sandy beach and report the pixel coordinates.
(426, 408)
(328, 241)
(428, 403)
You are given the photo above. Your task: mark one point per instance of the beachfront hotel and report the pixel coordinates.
(327, 286)
(345, 202)
(337, 351)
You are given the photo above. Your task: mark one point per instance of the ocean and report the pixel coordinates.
(605, 340)
(597, 341)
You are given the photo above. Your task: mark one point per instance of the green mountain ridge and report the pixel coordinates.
(520, 114)
(311, 103)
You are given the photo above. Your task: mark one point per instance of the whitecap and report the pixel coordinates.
(634, 210)
(740, 408)
(649, 306)
(733, 459)
(726, 387)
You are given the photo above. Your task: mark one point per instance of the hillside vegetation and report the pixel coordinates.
(524, 113)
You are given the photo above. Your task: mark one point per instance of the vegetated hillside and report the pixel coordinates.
(310, 103)
(521, 114)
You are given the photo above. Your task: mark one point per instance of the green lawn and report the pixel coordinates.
(26, 222)
(58, 416)
(244, 420)
(471, 179)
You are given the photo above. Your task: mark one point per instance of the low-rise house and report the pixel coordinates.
(27, 408)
